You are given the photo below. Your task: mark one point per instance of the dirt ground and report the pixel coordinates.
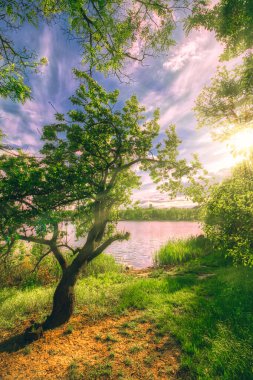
(125, 347)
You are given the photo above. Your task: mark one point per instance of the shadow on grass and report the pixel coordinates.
(179, 282)
(213, 323)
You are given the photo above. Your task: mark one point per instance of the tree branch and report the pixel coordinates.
(106, 244)
(32, 239)
(59, 257)
(40, 259)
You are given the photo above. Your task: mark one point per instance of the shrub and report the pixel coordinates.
(18, 268)
(229, 214)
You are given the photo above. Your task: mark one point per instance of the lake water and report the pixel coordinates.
(146, 239)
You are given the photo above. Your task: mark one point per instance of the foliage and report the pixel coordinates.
(178, 251)
(231, 20)
(226, 105)
(112, 31)
(19, 267)
(108, 32)
(16, 61)
(151, 213)
(229, 214)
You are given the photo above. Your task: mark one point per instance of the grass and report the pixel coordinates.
(205, 303)
(182, 250)
(102, 264)
(98, 371)
(100, 295)
(98, 291)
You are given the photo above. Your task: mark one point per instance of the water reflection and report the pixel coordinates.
(146, 238)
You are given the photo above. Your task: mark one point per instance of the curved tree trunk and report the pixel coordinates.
(64, 296)
(64, 299)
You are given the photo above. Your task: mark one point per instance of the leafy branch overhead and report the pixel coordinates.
(109, 33)
(17, 61)
(231, 21)
(112, 31)
(226, 105)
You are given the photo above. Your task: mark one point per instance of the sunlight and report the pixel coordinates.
(241, 143)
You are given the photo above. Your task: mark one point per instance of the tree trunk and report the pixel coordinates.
(64, 299)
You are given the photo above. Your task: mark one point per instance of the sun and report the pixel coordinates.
(241, 143)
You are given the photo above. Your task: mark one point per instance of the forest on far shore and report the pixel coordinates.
(151, 213)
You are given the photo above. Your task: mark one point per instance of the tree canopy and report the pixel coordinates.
(226, 105)
(231, 20)
(17, 61)
(108, 32)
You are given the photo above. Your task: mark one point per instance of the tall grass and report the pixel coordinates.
(102, 264)
(181, 250)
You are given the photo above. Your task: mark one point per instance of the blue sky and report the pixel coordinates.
(170, 82)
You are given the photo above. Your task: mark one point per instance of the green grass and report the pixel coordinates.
(181, 250)
(100, 295)
(205, 303)
(102, 264)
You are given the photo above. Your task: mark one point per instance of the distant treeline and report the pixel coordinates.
(174, 213)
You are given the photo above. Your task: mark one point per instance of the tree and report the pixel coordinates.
(112, 31)
(109, 32)
(231, 20)
(85, 174)
(229, 214)
(226, 105)
(15, 61)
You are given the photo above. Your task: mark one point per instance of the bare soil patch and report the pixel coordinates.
(125, 347)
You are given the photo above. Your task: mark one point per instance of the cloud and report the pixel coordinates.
(188, 50)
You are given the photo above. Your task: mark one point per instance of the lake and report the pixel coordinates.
(146, 238)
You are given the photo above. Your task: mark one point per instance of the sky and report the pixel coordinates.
(170, 82)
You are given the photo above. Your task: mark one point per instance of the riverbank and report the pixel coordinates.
(192, 320)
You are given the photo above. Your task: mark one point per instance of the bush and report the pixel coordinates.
(18, 268)
(229, 214)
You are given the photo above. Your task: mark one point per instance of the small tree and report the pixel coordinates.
(85, 174)
(229, 214)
